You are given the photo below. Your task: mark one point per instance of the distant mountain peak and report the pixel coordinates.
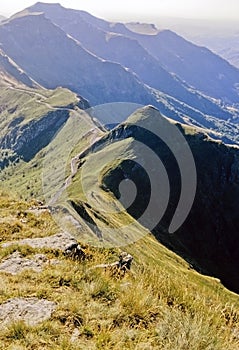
(39, 7)
(142, 28)
(54, 4)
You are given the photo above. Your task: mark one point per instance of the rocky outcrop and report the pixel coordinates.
(32, 311)
(59, 241)
(118, 268)
(16, 263)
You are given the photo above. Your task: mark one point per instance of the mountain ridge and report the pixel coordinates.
(208, 239)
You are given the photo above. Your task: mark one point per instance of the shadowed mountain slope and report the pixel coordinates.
(208, 239)
(198, 66)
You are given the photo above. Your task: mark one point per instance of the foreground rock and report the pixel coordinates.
(59, 241)
(15, 263)
(30, 310)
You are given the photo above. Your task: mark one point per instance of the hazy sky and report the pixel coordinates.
(141, 9)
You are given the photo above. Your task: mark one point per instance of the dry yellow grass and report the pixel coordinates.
(160, 304)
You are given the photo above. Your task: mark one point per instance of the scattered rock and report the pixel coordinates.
(59, 241)
(119, 267)
(125, 261)
(30, 310)
(75, 252)
(15, 263)
(37, 210)
(75, 335)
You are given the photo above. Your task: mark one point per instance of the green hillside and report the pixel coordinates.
(206, 238)
(29, 120)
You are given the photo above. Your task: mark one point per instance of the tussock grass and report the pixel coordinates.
(160, 304)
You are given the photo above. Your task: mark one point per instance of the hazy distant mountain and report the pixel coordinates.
(219, 36)
(198, 66)
(227, 46)
(230, 54)
(54, 59)
(2, 18)
(128, 52)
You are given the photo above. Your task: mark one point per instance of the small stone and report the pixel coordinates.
(125, 261)
(119, 267)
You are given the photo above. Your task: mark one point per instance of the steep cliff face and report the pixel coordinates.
(211, 232)
(208, 239)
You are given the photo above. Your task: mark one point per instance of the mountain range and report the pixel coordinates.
(173, 52)
(204, 93)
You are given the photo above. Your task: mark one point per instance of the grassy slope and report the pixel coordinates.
(162, 304)
(30, 103)
(102, 208)
(87, 187)
(20, 104)
(28, 178)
